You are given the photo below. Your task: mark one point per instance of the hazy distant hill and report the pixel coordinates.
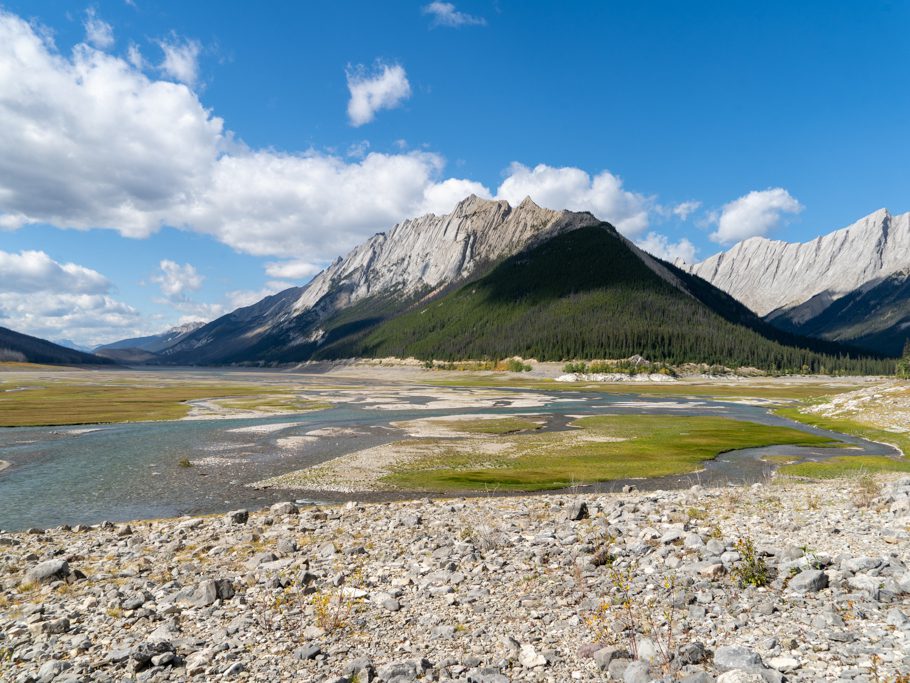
(15, 346)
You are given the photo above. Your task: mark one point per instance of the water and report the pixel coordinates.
(71, 475)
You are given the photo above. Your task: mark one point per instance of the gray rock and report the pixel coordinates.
(51, 570)
(486, 675)
(636, 672)
(740, 676)
(308, 652)
(238, 516)
(284, 508)
(810, 581)
(605, 655)
(728, 658)
(691, 653)
(577, 510)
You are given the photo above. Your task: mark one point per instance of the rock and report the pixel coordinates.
(238, 517)
(636, 672)
(728, 658)
(740, 676)
(783, 664)
(284, 508)
(810, 581)
(307, 652)
(577, 510)
(529, 658)
(51, 570)
(690, 653)
(605, 655)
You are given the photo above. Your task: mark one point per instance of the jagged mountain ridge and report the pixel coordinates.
(155, 342)
(416, 259)
(15, 346)
(796, 286)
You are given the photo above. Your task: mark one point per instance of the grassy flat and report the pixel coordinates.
(272, 404)
(604, 448)
(683, 389)
(70, 403)
(848, 466)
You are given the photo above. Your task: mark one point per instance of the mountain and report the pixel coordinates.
(589, 293)
(70, 344)
(492, 280)
(15, 346)
(850, 285)
(415, 260)
(153, 343)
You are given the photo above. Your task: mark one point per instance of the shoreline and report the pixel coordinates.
(485, 589)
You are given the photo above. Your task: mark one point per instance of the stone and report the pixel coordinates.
(810, 581)
(577, 510)
(308, 652)
(636, 672)
(530, 658)
(605, 655)
(740, 676)
(50, 570)
(727, 658)
(691, 653)
(284, 508)
(784, 664)
(238, 516)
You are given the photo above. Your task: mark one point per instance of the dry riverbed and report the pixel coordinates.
(489, 590)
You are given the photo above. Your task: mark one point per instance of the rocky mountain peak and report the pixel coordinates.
(771, 275)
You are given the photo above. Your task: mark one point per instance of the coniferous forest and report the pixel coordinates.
(587, 294)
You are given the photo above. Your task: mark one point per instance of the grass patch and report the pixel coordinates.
(771, 391)
(273, 404)
(605, 448)
(845, 426)
(846, 466)
(72, 403)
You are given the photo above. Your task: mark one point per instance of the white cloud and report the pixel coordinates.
(181, 59)
(572, 188)
(134, 57)
(91, 141)
(661, 247)
(292, 270)
(97, 31)
(756, 213)
(684, 209)
(386, 88)
(35, 271)
(176, 280)
(445, 14)
(49, 299)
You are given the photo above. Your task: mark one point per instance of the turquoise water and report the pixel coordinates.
(66, 475)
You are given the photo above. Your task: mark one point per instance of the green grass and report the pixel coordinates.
(273, 404)
(847, 466)
(72, 403)
(653, 446)
(845, 426)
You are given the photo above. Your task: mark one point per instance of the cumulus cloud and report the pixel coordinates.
(35, 271)
(386, 87)
(46, 298)
(660, 246)
(445, 14)
(292, 270)
(572, 188)
(181, 59)
(684, 209)
(91, 141)
(176, 280)
(97, 31)
(756, 213)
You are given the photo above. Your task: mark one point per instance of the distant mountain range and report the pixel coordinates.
(492, 280)
(15, 346)
(146, 349)
(851, 285)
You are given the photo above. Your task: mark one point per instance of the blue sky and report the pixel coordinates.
(164, 161)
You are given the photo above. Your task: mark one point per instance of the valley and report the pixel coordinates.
(125, 444)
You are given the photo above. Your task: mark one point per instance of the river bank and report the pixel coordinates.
(484, 589)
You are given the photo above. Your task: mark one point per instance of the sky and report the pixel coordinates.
(165, 162)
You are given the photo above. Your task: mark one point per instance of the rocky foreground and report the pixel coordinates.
(785, 581)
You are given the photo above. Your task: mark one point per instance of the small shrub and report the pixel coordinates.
(865, 492)
(751, 570)
(184, 462)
